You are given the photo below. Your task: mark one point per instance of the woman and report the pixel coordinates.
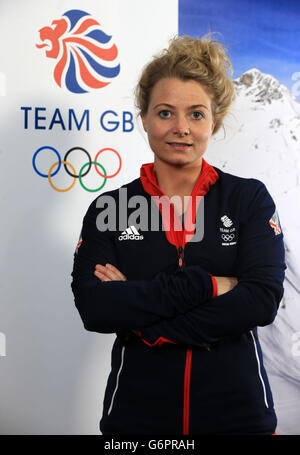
(185, 299)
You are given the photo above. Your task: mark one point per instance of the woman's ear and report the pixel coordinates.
(143, 118)
(213, 125)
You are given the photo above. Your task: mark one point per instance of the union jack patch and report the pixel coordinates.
(78, 245)
(274, 223)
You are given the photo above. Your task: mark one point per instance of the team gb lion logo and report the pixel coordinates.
(85, 57)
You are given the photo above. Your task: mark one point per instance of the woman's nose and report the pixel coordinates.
(181, 127)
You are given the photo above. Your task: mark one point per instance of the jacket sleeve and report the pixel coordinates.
(113, 306)
(252, 302)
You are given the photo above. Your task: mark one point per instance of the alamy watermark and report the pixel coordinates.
(111, 219)
(2, 84)
(2, 345)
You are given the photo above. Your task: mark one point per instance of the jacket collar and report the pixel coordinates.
(175, 232)
(207, 177)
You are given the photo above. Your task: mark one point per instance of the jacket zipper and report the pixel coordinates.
(180, 254)
(186, 398)
(187, 371)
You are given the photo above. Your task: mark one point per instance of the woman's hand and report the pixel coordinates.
(225, 284)
(108, 273)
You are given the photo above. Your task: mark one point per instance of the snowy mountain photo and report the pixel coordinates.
(261, 139)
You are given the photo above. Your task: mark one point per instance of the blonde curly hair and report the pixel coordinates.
(203, 60)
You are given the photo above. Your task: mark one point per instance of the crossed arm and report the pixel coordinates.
(109, 272)
(181, 306)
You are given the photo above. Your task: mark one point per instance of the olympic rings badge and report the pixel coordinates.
(227, 237)
(51, 173)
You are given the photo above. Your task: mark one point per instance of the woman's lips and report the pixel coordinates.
(181, 146)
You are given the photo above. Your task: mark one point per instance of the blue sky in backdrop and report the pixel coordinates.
(263, 34)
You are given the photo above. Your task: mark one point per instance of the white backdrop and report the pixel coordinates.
(53, 374)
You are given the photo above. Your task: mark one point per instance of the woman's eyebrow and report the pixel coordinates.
(198, 105)
(194, 106)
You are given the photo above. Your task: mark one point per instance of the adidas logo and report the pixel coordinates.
(131, 233)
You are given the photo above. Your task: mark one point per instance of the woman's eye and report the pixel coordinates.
(197, 115)
(165, 114)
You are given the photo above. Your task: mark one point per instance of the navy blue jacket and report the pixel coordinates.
(184, 360)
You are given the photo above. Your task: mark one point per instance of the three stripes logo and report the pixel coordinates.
(131, 233)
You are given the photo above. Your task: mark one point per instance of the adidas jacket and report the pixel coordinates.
(184, 361)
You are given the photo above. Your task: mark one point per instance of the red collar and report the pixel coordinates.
(179, 237)
(207, 177)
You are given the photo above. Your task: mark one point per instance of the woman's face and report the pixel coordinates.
(179, 121)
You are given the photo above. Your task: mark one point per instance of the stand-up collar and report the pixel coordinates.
(174, 232)
(207, 177)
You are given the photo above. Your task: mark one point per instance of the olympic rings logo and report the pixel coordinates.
(227, 237)
(81, 174)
